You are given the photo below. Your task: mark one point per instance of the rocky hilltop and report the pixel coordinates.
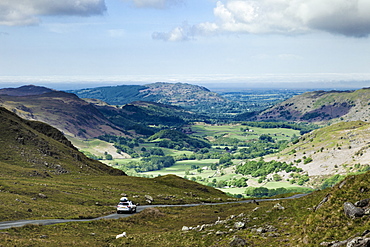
(179, 94)
(319, 107)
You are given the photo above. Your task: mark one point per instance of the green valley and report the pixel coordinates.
(155, 153)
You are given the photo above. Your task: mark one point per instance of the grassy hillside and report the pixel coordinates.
(36, 149)
(298, 222)
(341, 148)
(64, 111)
(44, 176)
(319, 107)
(145, 118)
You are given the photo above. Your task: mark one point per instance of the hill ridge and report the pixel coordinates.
(37, 148)
(180, 94)
(320, 107)
(65, 111)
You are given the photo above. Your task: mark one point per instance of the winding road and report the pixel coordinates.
(20, 223)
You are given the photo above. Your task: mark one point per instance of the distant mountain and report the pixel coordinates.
(35, 149)
(88, 118)
(318, 107)
(25, 91)
(64, 111)
(178, 94)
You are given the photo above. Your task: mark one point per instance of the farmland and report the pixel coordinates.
(231, 145)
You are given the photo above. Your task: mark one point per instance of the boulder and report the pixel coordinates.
(123, 234)
(362, 203)
(42, 195)
(359, 242)
(149, 199)
(352, 211)
(237, 241)
(185, 228)
(239, 225)
(278, 206)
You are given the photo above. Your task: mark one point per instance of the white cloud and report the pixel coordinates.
(344, 17)
(26, 12)
(159, 4)
(181, 33)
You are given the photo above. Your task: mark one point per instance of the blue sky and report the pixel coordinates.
(216, 43)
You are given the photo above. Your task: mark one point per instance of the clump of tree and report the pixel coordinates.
(302, 127)
(152, 163)
(262, 168)
(175, 139)
(331, 181)
(265, 192)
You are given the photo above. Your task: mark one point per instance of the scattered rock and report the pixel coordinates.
(342, 184)
(334, 243)
(239, 225)
(185, 228)
(362, 203)
(123, 234)
(351, 211)
(364, 189)
(326, 198)
(273, 235)
(255, 209)
(241, 215)
(278, 206)
(221, 233)
(362, 241)
(261, 230)
(42, 195)
(237, 241)
(359, 242)
(149, 199)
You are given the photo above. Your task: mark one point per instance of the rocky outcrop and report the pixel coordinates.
(352, 211)
(326, 198)
(358, 241)
(237, 241)
(362, 203)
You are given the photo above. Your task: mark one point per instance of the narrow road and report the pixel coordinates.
(20, 223)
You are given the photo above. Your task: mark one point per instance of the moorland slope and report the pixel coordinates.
(320, 107)
(30, 148)
(340, 148)
(44, 176)
(64, 111)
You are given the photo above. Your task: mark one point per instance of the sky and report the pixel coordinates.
(73, 44)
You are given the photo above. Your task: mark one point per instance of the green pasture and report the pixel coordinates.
(238, 132)
(181, 167)
(89, 145)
